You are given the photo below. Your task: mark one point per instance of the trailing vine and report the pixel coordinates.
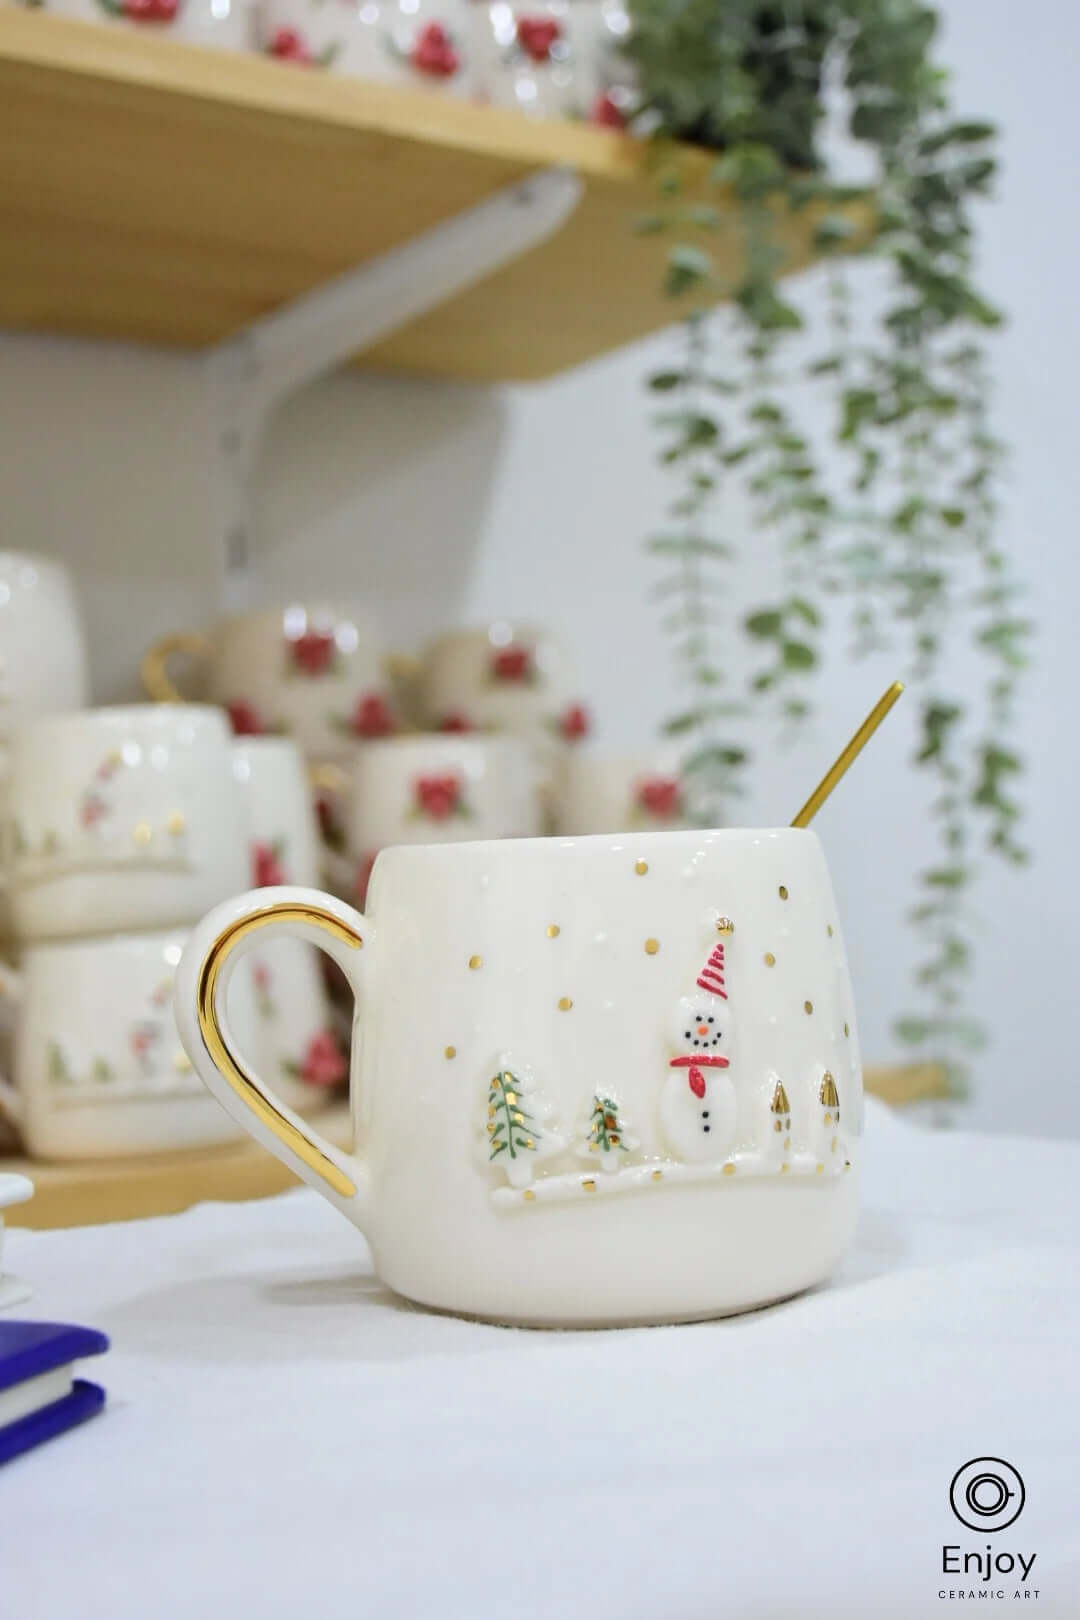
(889, 515)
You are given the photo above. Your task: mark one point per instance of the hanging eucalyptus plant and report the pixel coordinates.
(888, 514)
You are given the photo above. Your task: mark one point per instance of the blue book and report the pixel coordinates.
(39, 1394)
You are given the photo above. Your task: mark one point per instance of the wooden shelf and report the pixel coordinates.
(105, 1190)
(162, 193)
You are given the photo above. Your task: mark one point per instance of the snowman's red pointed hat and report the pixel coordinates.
(711, 977)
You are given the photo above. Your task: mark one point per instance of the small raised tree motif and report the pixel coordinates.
(607, 1134)
(516, 1126)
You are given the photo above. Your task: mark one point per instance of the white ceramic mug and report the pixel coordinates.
(98, 1068)
(596, 792)
(223, 24)
(595, 1081)
(515, 678)
(122, 818)
(42, 654)
(312, 672)
(426, 789)
(297, 1043)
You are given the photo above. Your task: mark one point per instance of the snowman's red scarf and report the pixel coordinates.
(696, 1062)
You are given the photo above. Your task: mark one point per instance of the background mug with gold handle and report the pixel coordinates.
(312, 672)
(594, 1081)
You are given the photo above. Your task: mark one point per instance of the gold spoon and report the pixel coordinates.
(854, 748)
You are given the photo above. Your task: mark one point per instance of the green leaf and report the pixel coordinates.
(687, 268)
(662, 382)
(913, 1031)
(806, 610)
(765, 624)
(797, 655)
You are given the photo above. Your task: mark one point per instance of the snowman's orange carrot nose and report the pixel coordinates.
(703, 1029)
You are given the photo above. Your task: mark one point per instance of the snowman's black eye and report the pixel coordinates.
(710, 1020)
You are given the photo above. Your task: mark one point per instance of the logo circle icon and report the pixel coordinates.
(987, 1494)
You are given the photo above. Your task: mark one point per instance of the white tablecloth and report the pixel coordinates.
(285, 1438)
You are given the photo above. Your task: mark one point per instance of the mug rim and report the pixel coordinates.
(115, 714)
(629, 843)
(520, 629)
(443, 742)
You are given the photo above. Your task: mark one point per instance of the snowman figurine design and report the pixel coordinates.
(697, 1103)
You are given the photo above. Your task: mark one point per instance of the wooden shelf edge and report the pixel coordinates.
(88, 51)
(101, 1191)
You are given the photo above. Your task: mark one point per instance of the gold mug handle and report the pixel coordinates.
(156, 679)
(201, 1003)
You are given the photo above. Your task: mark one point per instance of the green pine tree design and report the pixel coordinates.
(510, 1124)
(607, 1134)
(518, 1134)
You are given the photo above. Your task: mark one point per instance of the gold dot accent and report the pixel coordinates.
(770, 959)
(182, 1063)
(778, 1126)
(787, 1144)
(553, 930)
(451, 1052)
(784, 1168)
(828, 929)
(491, 1127)
(724, 925)
(519, 1119)
(782, 891)
(529, 1196)
(835, 1143)
(641, 867)
(143, 833)
(177, 823)
(589, 1186)
(808, 1007)
(491, 1111)
(594, 1147)
(511, 1097)
(565, 1003)
(729, 1169)
(820, 1170)
(529, 1143)
(847, 1030)
(651, 947)
(828, 1119)
(476, 962)
(658, 1175)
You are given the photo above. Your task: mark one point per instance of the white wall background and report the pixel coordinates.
(440, 502)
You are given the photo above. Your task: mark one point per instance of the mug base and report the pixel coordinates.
(704, 1253)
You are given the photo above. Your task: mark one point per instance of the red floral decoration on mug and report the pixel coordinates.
(245, 719)
(142, 11)
(437, 798)
(372, 717)
(660, 796)
(574, 722)
(314, 652)
(513, 664)
(456, 721)
(537, 36)
(325, 1064)
(267, 868)
(434, 53)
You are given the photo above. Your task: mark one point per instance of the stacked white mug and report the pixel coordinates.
(121, 824)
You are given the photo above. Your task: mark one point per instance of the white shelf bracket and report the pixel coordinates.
(251, 373)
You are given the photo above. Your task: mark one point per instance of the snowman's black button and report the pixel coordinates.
(705, 1113)
(707, 1127)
